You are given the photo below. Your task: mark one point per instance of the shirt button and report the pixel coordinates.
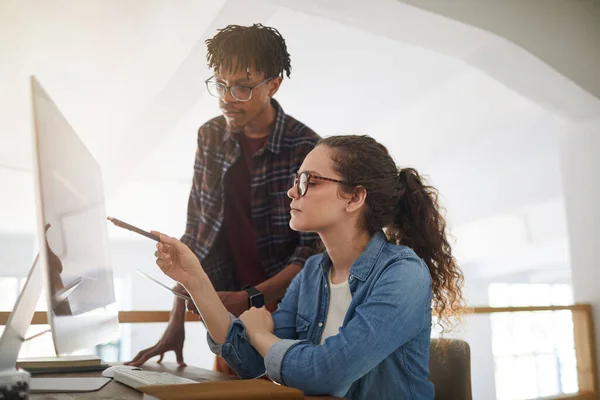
(320, 324)
(350, 279)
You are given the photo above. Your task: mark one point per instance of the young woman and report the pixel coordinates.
(356, 321)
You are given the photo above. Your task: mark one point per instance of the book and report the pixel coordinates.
(68, 369)
(55, 362)
(253, 389)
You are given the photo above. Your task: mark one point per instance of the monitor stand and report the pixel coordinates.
(16, 327)
(14, 335)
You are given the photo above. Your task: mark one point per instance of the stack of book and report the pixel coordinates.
(62, 364)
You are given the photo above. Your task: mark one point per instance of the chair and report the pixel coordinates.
(450, 372)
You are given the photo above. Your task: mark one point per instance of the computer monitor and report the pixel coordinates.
(72, 232)
(73, 265)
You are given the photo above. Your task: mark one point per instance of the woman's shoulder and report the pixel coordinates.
(398, 251)
(403, 260)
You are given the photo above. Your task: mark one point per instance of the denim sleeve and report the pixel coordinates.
(397, 309)
(237, 351)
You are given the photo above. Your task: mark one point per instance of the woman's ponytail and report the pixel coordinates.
(419, 224)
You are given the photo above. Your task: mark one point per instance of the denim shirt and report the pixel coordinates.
(382, 348)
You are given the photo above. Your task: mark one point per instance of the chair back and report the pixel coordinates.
(450, 372)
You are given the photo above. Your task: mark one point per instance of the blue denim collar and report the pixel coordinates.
(363, 265)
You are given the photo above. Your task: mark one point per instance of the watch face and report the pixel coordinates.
(257, 300)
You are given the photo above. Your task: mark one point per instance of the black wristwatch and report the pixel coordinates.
(255, 297)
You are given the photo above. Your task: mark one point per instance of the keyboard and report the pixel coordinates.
(136, 379)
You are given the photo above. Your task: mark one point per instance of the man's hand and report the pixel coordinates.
(191, 306)
(235, 302)
(172, 340)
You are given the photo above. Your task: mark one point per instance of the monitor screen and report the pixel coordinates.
(72, 230)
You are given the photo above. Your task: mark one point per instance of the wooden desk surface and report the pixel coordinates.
(115, 390)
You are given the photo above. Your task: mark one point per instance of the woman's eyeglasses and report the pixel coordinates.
(302, 180)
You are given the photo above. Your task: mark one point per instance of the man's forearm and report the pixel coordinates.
(274, 288)
(179, 308)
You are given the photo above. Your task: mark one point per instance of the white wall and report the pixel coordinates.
(17, 255)
(580, 158)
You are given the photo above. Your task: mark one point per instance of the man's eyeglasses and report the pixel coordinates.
(238, 92)
(302, 180)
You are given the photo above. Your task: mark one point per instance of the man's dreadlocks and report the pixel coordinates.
(258, 46)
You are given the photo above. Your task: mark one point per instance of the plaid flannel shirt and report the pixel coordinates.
(273, 166)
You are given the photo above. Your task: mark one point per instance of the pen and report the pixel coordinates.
(132, 228)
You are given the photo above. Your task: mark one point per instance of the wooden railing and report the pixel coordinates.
(585, 342)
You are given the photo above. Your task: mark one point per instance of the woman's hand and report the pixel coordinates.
(177, 261)
(257, 321)
(259, 329)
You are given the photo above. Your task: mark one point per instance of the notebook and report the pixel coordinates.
(67, 369)
(57, 362)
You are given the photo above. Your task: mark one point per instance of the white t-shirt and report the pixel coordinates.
(339, 301)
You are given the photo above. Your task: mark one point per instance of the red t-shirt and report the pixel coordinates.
(238, 219)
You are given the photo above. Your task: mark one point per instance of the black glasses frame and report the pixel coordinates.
(226, 88)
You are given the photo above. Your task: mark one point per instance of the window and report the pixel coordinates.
(534, 352)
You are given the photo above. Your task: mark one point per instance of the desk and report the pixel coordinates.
(115, 390)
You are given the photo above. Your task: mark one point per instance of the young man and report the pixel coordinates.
(238, 210)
